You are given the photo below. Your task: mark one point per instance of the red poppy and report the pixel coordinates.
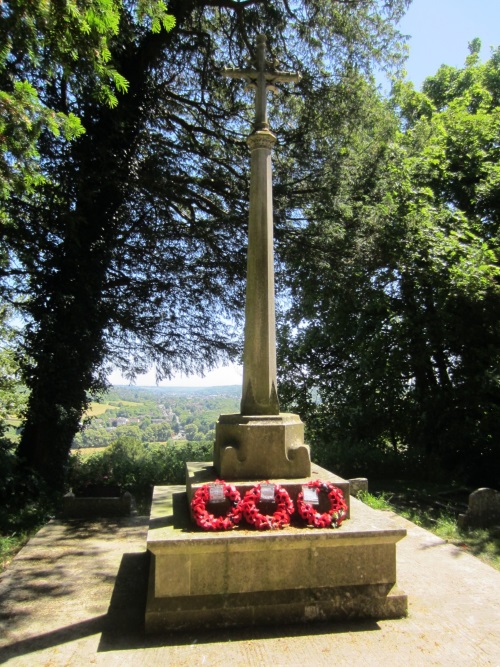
(204, 519)
(335, 515)
(279, 518)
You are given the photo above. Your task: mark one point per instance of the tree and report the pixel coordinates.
(191, 432)
(157, 433)
(12, 391)
(131, 250)
(49, 44)
(391, 346)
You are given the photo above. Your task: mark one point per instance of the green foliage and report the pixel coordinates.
(26, 501)
(390, 349)
(131, 248)
(49, 41)
(9, 546)
(12, 391)
(135, 467)
(378, 502)
(436, 508)
(154, 408)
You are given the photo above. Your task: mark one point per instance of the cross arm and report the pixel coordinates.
(251, 75)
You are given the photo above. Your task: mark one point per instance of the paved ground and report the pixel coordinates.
(75, 595)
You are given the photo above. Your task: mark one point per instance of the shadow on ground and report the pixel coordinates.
(122, 628)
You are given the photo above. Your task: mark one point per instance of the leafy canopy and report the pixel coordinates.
(390, 347)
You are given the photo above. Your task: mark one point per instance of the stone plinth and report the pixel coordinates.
(87, 507)
(245, 577)
(261, 447)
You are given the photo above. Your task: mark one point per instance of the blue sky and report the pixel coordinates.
(439, 31)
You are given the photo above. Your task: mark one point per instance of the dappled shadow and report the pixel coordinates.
(122, 627)
(432, 544)
(483, 543)
(426, 501)
(104, 529)
(57, 637)
(50, 577)
(48, 571)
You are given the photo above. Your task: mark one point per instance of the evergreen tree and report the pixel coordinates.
(131, 248)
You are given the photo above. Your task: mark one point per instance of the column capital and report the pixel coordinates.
(261, 139)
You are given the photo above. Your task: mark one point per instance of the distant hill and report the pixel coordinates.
(185, 392)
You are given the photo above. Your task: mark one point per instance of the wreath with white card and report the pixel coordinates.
(270, 493)
(306, 506)
(216, 493)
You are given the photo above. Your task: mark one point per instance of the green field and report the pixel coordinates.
(85, 452)
(97, 409)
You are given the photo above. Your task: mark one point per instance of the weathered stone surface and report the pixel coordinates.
(261, 447)
(87, 507)
(357, 485)
(259, 396)
(75, 596)
(246, 577)
(274, 607)
(484, 509)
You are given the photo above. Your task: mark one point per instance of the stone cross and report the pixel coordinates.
(263, 80)
(260, 396)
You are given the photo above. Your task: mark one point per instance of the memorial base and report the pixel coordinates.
(246, 577)
(261, 446)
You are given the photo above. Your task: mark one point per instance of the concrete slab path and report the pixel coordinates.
(75, 595)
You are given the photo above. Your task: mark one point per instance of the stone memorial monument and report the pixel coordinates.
(260, 442)
(244, 577)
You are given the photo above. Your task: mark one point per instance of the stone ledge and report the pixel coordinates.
(272, 608)
(89, 507)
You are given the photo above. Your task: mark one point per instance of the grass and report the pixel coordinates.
(97, 409)
(378, 502)
(119, 404)
(427, 507)
(88, 451)
(17, 526)
(9, 546)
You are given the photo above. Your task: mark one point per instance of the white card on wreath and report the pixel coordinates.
(216, 493)
(310, 495)
(267, 492)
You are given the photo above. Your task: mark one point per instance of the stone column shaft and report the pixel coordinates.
(259, 358)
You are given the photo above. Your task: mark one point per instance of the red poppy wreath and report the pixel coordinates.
(335, 515)
(279, 519)
(209, 521)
